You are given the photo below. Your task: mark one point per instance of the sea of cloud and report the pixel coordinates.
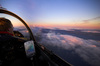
(89, 50)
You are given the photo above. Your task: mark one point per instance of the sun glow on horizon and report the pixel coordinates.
(84, 25)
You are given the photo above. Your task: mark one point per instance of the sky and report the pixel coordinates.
(57, 13)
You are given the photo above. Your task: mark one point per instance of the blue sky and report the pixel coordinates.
(53, 11)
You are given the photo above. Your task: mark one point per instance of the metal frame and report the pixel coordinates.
(19, 18)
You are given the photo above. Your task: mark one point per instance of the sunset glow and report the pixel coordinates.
(92, 25)
(56, 13)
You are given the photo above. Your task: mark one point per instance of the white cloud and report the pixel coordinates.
(89, 50)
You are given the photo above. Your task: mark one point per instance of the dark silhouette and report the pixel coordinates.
(12, 51)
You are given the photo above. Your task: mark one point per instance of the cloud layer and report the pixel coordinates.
(89, 50)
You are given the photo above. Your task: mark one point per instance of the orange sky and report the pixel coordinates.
(89, 25)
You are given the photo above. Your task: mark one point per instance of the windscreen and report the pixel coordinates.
(19, 29)
(69, 28)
